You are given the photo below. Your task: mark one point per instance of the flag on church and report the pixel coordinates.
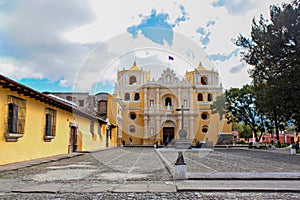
(171, 58)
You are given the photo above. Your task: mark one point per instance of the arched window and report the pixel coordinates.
(209, 97)
(136, 96)
(168, 101)
(127, 97)
(204, 80)
(132, 80)
(200, 97)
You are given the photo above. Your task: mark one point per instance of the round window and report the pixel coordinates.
(205, 129)
(132, 129)
(132, 116)
(204, 115)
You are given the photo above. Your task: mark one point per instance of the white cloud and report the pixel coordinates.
(34, 30)
(235, 7)
(51, 39)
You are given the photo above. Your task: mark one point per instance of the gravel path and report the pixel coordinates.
(165, 196)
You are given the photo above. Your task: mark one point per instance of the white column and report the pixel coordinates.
(180, 100)
(192, 130)
(157, 99)
(145, 99)
(157, 127)
(145, 127)
(191, 100)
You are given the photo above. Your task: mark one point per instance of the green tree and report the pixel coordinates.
(274, 51)
(246, 131)
(243, 129)
(241, 106)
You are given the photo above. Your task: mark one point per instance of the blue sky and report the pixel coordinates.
(55, 45)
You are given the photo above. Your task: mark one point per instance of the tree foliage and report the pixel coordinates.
(246, 131)
(242, 108)
(274, 51)
(243, 130)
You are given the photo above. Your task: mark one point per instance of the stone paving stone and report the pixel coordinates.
(145, 171)
(132, 188)
(157, 187)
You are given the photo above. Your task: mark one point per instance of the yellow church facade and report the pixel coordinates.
(35, 125)
(149, 109)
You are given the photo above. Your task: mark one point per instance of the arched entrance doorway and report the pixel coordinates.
(168, 132)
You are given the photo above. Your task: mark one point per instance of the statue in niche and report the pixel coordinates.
(168, 107)
(168, 79)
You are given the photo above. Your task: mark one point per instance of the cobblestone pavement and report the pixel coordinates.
(236, 160)
(165, 196)
(115, 165)
(141, 165)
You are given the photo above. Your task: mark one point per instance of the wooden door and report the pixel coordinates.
(168, 134)
(73, 139)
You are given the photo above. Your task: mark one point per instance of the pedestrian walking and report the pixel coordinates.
(293, 148)
(130, 140)
(297, 146)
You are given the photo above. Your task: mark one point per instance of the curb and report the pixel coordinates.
(38, 161)
(166, 163)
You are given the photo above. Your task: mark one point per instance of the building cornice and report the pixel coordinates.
(14, 86)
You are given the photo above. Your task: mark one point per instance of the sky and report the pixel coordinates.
(76, 45)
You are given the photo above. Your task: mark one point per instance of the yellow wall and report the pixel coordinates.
(32, 144)
(112, 109)
(87, 140)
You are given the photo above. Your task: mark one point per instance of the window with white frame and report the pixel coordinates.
(16, 109)
(127, 97)
(200, 97)
(50, 122)
(209, 97)
(204, 80)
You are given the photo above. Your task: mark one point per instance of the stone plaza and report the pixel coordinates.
(147, 173)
